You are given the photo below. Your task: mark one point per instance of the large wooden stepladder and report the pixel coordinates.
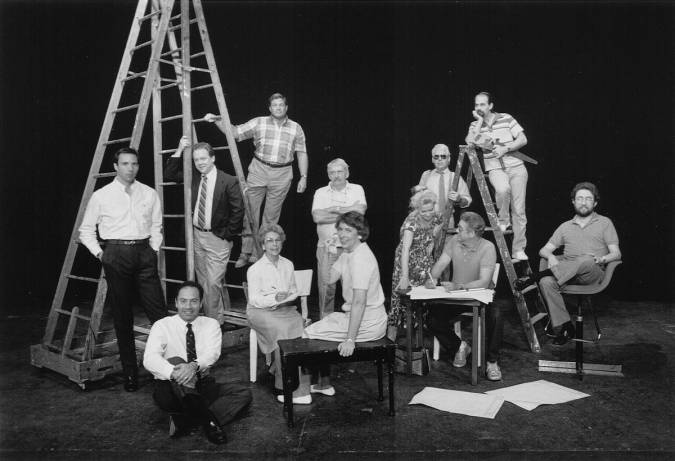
(72, 344)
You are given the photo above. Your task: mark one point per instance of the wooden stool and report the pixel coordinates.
(313, 352)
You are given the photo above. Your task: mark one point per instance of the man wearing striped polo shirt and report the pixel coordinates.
(276, 138)
(499, 134)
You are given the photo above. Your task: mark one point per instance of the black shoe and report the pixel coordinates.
(215, 434)
(131, 383)
(522, 283)
(566, 333)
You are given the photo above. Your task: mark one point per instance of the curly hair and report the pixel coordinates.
(421, 198)
(267, 228)
(357, 221)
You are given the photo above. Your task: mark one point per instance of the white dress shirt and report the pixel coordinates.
(211, 177)
(122, 216)
(167, 339)
(265, 280)
(430, 180)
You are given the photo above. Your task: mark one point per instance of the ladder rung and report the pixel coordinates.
(170, 183)
(116, 141)
(172, 28)
(122, 109)
(139, 329)
(233, 286)
(528, 289)
(221, 148)
(170, 52)
(196, 55)
(174, 215)
(202, 87)
(167, 151)
(173, 18)
(86, 279)
(198, 69)
(172, 280)
(148, 16)
(173, 80)
(142, 45)
(172, 117)
(537, 317)
(173, 249)
(170, 85)
(166, 61)
(133, 75)
(105, 175)
(69, 314)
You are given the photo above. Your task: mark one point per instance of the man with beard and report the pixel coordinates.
(590, 242)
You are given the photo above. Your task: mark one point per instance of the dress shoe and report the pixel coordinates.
(564, 335)
(215, 434)
(329, 391)
(523, 282)
(304, 400)
(178, 426)
(131, 383)
(520, 255)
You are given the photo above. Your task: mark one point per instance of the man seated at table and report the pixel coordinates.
(473, 263)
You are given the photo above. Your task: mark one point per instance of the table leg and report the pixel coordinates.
(390, 371)
(288, 367)
(408, 337)
(483, 342)
(380, 395)
(419, 341)
(475, 345)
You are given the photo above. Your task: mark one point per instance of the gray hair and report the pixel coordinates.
(338, 162)
(267, 228)
(440, 149)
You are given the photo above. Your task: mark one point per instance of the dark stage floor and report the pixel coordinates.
(45, 416)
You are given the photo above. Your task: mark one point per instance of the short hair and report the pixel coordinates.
(440, 149)
(421, 198)
(206, 146)
(336, 162)
(475, 222)
(190, 284)
(125, 150)
(486, 94)
(357, 221)
(271, 228)
(590, 187)
(277, 96)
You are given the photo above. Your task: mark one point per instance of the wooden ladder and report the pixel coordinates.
(151, 43)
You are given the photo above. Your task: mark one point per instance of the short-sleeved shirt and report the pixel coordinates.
(504, 129)
(360, 271)
(592, 239)
(467, 261)
(274, 141)
(327, 197)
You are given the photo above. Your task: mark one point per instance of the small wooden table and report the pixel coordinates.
(477, 337)
(311, 352)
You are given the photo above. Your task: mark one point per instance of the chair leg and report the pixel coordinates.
(253, 355)
(579, 336)
(437, 348)
(380, 387)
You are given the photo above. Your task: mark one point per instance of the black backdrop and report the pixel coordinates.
(377, 84)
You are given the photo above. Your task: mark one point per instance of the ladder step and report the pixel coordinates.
(174, 215)
(134, 75)
(168, 248)
(68, 313)
(202, 87)
(122, 109)
(192, 21)
(148, 16)
(172, 117)
(85, 279)
(528, 289)
(172, 280)
(196, 55)
(117, 141)
(139, 329)
(170, 85)
(170, 183)
(105, 175)
(142, 45)
(492, 229)
(537, 317)
(233, 286)
(170, 52)
(221, 148)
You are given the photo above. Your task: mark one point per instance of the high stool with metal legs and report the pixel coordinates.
(583, 294)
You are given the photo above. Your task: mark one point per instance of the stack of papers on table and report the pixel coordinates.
(464, 403)
(483, 295)
(530, 395)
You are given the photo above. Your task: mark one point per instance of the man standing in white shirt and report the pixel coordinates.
(129, 219)
(338, 197)
(179, 350)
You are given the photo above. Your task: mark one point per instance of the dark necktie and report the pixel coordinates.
(190, 344)
(441, 193)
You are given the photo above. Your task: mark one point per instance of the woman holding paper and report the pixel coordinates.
(414, 254)
(271, 309)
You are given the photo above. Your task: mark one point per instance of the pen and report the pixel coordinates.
(430, 277)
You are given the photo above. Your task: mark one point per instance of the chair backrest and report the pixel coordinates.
(303, 282)
(586, 289)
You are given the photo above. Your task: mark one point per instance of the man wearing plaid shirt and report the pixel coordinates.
(276, 138)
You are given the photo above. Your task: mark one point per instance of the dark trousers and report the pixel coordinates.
(440, 323)
(129, 269)
(209, 401)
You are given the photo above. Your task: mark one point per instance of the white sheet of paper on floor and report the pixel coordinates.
(530, 395)
(463, 403)
(483, 295)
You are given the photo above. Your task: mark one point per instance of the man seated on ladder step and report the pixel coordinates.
(218, 213)
(276, 138)
(500, 134)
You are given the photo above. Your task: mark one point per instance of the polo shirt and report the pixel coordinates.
(592, 239)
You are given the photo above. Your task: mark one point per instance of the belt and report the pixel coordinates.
(144, 241)
(273, 165)
(201, 229)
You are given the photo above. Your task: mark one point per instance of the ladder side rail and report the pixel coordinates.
(95, 320)
(104, 136)
(225, 117)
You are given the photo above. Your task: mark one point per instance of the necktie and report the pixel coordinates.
(201, 209)
(190, 344)
(441, 193)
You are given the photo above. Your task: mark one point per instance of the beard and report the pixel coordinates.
(583, 211)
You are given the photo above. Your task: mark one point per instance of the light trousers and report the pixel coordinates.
(510, 187)
(211, 256)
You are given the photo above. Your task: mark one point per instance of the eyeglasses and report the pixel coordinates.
(272, 240)
(439, 157)
(585, 199)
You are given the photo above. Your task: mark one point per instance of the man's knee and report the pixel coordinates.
(549, 283)
(586, 264)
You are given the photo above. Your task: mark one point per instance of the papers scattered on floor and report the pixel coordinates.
(463, 403)
(530, 395)
(483, 295)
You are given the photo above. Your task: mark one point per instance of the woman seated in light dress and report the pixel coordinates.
(271, 307)
(363, 317)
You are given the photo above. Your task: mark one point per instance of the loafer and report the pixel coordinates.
(329, 391)
(523, 282)
(130, 383)
(566, 333)
(215, 434)
(304, 400)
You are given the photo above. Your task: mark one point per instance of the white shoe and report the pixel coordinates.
(520, 255)
(329, 391)
(304, 400)
(504, 226)
(492, 372)
(460, 357)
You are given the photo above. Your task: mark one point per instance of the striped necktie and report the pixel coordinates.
(201, 210)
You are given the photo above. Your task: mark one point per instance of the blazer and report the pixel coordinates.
(227, 210)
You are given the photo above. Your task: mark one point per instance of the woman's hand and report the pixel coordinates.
(449, 286)
(280, 296)
(346, 348)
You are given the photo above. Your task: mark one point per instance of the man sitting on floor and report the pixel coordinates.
(178, 351)
(590, 242)
(473, 264)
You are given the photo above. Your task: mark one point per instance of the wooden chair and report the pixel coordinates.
(458, 324)
(583, 294)
(303, 282)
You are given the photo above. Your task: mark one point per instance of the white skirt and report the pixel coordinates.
(334, 326)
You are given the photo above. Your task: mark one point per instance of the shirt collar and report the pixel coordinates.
(212, 174)
(575, 219)
(282, 122)
(338, 191)
(133, 185)
(446, 170)
(266, 260)
(471, 249)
